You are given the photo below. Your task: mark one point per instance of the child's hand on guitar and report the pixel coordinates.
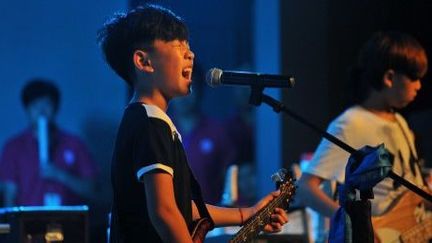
(278, 218)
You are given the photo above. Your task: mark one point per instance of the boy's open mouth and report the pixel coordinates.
(187, 73)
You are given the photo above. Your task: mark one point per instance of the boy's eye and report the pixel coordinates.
(183, 45)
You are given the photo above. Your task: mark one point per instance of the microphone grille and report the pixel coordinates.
(213, 77)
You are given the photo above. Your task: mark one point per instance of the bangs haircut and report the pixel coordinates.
(408, 57)
(392, 50)
(138, 29)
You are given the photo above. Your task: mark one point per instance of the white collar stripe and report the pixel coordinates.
(155, 112)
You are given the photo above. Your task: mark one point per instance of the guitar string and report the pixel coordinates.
(414, 232)
(244, 233)
(255, 222)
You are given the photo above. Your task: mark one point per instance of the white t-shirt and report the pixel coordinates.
(358, 127)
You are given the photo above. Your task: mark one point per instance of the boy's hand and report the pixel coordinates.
(279, 216)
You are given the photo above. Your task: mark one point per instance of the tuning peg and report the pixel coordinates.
(282, 172)
(277, 178)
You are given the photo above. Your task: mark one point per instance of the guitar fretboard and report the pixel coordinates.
(255, 224)
(422, 232)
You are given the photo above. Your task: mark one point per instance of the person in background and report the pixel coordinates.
(45, 165)
(387, 78)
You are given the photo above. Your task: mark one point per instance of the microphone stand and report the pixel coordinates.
(257, 97)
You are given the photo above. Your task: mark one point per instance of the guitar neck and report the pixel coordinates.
(256, 223)
(420, 233)
(400, 222)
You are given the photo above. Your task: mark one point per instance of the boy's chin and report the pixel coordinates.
(188, 91)
(185, 93)
(403, 104)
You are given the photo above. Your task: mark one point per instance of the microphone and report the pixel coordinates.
(216, 77)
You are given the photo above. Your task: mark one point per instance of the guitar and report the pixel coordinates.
(399, 224)
(255, 224)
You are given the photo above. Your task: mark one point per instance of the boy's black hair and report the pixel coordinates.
(137, 29)
(384, 51)
(38, 88)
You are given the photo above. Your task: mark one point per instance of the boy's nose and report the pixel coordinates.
(418, 84)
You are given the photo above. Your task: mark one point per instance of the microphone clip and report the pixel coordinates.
(255, 97)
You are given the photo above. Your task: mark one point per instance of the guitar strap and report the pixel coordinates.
(413, 161)
(198, 199)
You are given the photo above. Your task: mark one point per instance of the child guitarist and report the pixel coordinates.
(387, 77)
(155, 195)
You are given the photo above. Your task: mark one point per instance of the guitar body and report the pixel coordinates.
(399, 224)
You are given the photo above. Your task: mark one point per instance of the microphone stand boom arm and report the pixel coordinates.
(257, 97)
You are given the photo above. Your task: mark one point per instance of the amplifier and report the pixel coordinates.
(45, 224)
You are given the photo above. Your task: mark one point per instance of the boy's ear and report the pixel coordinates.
(142, 61)
(388, 78)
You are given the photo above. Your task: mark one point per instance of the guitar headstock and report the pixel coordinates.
(285, 182)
